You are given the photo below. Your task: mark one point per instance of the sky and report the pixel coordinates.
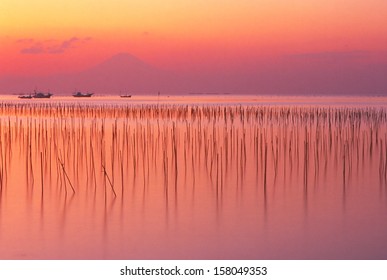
(43, 37)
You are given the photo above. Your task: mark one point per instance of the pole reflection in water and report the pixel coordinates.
(191, 181)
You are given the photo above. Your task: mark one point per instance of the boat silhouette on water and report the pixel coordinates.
(42, 95)
(80, 94)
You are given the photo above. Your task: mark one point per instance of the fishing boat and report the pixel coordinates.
(80, 94)
(42, 95)
(126, 96)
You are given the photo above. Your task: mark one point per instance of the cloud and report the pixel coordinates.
(32, 50)
(63, 46)
(69, 43)
(50, 46)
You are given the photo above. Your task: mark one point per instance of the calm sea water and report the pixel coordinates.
(198, 177)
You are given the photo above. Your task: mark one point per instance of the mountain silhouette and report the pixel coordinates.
(122, 72)
(125, 73)
(123, 62)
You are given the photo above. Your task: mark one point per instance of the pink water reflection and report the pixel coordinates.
(188, 181)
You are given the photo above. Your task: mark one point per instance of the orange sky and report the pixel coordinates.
(44, 36)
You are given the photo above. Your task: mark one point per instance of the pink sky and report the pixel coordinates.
(45, 37)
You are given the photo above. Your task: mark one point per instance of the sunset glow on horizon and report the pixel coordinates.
(46, 37)
(193, 130)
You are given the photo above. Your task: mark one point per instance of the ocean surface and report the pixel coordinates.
(193, 177)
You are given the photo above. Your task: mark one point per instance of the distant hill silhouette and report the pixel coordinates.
(125, 73)
(122, 72)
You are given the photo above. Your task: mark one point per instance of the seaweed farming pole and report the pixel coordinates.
(65, 173)
(41, 171)
(110, 182)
